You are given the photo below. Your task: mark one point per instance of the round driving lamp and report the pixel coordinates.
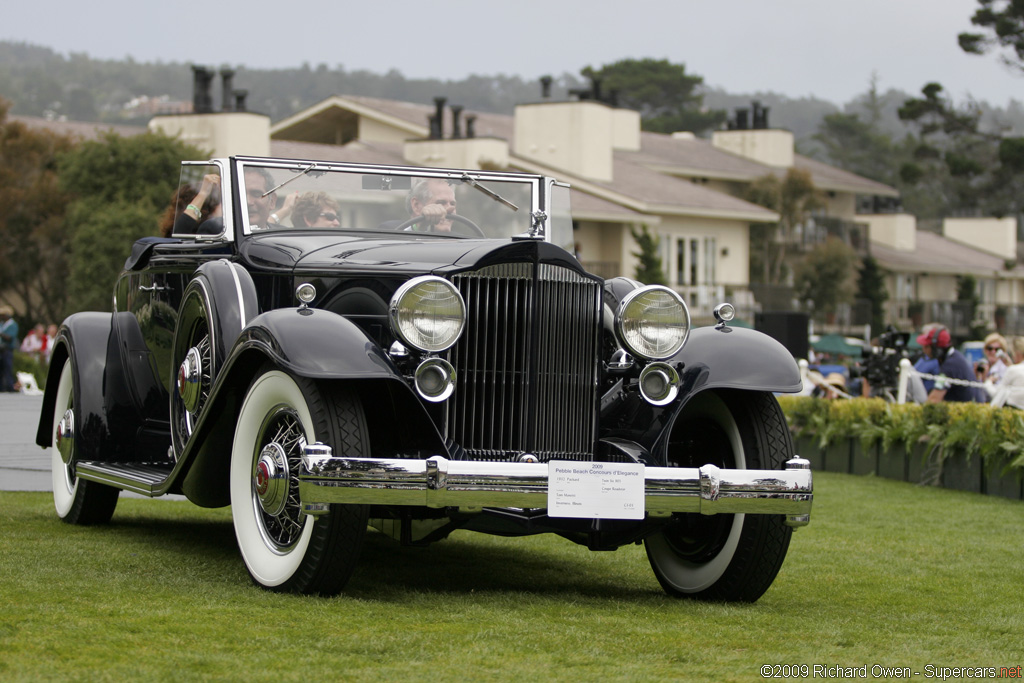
(435, 379)
(653, 322)
(724, 312)
(427, 313)
(305, 293)
(659, 383)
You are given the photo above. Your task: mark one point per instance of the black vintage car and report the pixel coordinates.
(326, 347)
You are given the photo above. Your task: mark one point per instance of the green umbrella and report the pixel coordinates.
(835, 344)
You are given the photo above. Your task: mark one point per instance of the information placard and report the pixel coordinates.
(595, 490)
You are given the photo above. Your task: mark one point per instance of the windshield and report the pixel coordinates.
(323, 196)
(196, 205)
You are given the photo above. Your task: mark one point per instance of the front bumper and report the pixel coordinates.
(438, 482)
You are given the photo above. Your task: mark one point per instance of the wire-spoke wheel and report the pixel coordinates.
(725, 557)
(76, 501)
(194, 365)
(283, 549)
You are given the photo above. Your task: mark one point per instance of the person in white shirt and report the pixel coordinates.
(1010, 390)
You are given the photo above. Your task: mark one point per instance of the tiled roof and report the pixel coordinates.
(935, 254)
(354, 152)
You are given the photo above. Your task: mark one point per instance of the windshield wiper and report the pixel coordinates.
(469, 180)
(294, 177)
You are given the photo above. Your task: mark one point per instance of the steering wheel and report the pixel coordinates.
(454, 217)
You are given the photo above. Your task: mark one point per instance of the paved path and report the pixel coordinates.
(24, 466)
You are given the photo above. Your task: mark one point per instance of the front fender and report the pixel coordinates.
(735, 358)
(311, 343)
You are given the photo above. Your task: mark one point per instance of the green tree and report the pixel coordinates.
(667, 97)
(33, 240)
(794, 197)
(967, 294)
(1002, 22)
(120, 187)
(958, 166)
(871, 287)
(648, 269)
(825, 276)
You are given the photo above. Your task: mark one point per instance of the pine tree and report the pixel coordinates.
(648, 270)
(871, 286)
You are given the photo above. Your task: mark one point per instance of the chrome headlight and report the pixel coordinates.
(653, 322)
(427, 313)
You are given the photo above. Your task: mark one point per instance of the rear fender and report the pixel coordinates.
(107, 420)
(319, 345)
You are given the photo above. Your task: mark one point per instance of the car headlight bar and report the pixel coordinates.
(653, 322)
(427, 313)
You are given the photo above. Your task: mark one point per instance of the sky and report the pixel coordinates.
(822, 48)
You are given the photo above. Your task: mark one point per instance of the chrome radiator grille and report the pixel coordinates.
(526, 364)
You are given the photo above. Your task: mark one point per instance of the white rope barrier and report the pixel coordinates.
(907, 370)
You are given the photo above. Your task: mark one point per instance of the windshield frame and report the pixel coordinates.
(536, 214)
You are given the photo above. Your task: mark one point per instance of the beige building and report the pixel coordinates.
(923, 269)
(687, 191)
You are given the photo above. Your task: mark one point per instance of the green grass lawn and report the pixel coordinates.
(887, 573)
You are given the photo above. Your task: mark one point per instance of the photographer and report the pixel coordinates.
(938, 344)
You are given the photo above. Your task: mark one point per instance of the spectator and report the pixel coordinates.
(1010, 391)
(35, 341)
(927, 365)
(51, 337)
(996, 358)
(8, 343)
(954, 368)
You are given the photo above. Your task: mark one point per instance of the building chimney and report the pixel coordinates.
(456, 124)
(439, 117)
(470, 126)
(760, 117)
(202, 102)
(545, 87)
(226, 77)
(240, 96)
(741, 118)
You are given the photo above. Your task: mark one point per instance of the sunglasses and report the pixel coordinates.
(329, 216)
(993, 348)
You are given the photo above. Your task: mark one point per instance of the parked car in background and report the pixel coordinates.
(376, 363)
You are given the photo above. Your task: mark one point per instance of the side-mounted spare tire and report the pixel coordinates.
(724, 557)
(217, 304)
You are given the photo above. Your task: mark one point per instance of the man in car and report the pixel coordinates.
(261, 208)
(434, 199)
(938, 344)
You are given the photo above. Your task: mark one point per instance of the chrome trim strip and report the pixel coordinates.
(242, 318)
(141, 479)
(438, 482)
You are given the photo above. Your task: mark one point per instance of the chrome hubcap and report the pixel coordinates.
(270, 479)
(190, 379)
(66, 436)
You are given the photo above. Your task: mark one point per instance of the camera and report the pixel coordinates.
(880, 366)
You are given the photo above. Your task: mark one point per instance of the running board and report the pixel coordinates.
(142, 479)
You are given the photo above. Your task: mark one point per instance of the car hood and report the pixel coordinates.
(322, 253)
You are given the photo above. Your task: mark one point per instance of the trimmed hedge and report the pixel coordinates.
(971, 430)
